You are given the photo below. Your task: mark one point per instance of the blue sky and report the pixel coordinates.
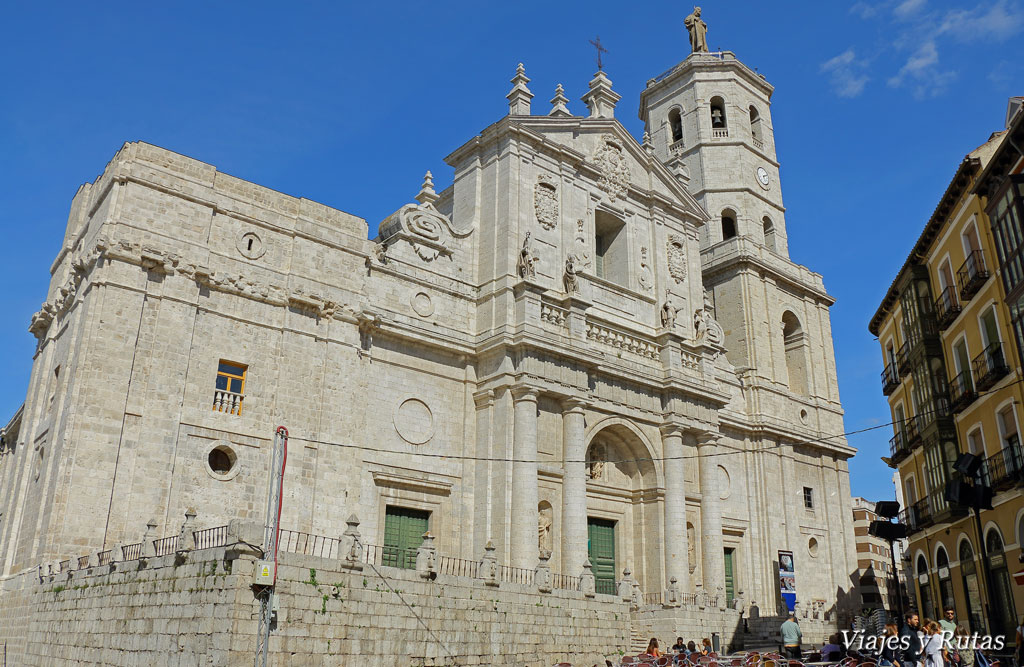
(348, 104)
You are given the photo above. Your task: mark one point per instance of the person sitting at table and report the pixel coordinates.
(691, 648)
(705, 646)
(652, 648)
(889, 654)
(832, 651)
(679, 646)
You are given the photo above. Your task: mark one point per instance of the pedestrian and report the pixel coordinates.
(910, 641)
(889, 655)
(948, 622)
(934, 647)
(791, 636)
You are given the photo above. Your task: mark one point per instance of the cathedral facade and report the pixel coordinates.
(588, 349)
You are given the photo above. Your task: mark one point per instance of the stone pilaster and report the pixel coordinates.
(712, 552)
(676, 541)
(523, 514)
(574, 487)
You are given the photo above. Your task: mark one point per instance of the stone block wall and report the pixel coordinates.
(199, 608)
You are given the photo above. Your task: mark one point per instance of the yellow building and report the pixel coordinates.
(952, 375)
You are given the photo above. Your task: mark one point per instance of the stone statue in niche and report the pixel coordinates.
(668, 313)
(526, 266)
(698, 31)
(706, 328)
(646, 279)
(570, 279)
(544, 522)
(677, 258)
(691, 547)
(545, 201)
(596, 459)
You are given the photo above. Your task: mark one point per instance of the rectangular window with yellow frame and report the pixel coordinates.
(230, 387)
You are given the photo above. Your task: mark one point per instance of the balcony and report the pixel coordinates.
(917, 517)
(890, 379)
(227, 401)
(1005, 468)
(990, 366)
(941, 509)
(936, 419)
(961, 392)
(947, 308)
(899, 447)
(720, 133)
(911, 433)
(903, 360)
(971, 275)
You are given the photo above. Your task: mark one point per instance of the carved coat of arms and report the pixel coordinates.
(545, 201)
(677, 258)
(611, 163)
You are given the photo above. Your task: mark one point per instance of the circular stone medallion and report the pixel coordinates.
(414, 421)
(422, 304)
(251, 245)
(724, 483)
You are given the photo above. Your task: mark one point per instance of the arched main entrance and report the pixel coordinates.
(622, 513)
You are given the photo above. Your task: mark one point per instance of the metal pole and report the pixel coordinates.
(271, 532)
(984, 562)
(896, 578)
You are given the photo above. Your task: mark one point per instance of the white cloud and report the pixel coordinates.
(908, 8)
(864, 10)
(921, 72)
(929, 32)
(999, 22)
(846, 74)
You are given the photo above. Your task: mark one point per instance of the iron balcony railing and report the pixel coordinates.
(936, 416)
(917, 517)
(899, 448)
(903, 359)
(990, 366)
(910, 432)
(971, 275)
(890, 379)
(947, 307)
(961, 391)
(1006, 467)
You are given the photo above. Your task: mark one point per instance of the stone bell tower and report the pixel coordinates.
(710, 121)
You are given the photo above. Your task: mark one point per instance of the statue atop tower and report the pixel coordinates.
(698, 31)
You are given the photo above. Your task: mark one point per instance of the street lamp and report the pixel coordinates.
(977, 496)
(890, 532)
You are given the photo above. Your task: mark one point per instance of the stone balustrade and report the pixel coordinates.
(227, 401)
(621, 340)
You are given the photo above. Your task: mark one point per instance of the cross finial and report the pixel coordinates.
(600, 49)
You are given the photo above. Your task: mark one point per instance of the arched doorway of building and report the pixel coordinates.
(621, 478)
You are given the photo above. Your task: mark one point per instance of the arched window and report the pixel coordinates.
(794, 342)
(718, 119)
(675, 123)
(769, 233)
(1002, 609)
(945, 578)
(972, 589)
(728, 224)
(924, 592)
(755, 127)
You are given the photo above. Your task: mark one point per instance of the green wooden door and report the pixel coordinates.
(403, 534)
(730, 581)
(601, 549)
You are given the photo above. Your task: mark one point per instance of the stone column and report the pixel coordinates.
(523, 510)
(574, 488)
(712, 552)
(676, 543)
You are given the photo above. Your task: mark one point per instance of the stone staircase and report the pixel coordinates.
(637, 641)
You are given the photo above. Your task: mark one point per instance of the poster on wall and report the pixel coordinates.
(787, 579)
